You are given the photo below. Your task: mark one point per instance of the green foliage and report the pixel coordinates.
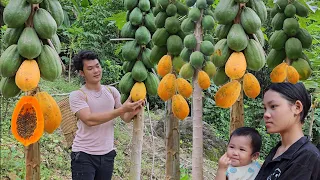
(119, 19)
(315, 127)
(92, 29)
(12, 156)
(185, 173)
(156, 102)
(4, 2)
(96, 32)
(111, 72)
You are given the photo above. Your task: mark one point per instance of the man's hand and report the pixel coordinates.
(129, 106)
(131, 109)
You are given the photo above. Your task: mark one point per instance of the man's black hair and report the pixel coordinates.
(81, 56)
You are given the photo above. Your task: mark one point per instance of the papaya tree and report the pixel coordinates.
(198, 46)
(31, 53)
(238, 50)
(287, 59)
(168, 43)
(139, 79)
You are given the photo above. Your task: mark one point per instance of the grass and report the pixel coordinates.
(55, 157)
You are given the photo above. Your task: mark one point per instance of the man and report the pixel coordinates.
(96, 106)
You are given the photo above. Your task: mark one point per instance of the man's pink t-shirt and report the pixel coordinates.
(95, 140)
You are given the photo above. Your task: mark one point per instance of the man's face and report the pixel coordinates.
(92, 71)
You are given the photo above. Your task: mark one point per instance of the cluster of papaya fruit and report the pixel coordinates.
(239, 49)
(139, 79)
(31, 27)
(32, 53)
(167, 39)
(168, 44)
(34, 115)
(198, 43)
(171, 87)
(287, 42)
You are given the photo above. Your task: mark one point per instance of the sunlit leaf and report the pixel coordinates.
(119, 19)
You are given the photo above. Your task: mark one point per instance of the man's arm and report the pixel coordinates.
(93, 119)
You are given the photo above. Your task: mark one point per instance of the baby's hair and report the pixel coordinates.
(293, 93)
(252, 133)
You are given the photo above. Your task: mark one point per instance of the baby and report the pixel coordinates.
(238, 163)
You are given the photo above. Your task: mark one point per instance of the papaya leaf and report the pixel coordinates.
(310, 4)
(66, 20)
(76, 5)
(313, 8)
(311, 84)
(119, 18)
(85, 3)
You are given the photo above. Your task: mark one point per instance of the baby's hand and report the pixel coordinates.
(224, 162)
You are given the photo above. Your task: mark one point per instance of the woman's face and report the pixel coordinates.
(279, 114)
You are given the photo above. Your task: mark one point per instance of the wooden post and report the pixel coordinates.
(172, 145)
(136, 150)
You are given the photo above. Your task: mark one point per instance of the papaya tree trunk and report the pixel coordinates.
(197, 140)
(313, 108)
(32, 154)
(70, 60)
(172, 146)
(136, 150)
(197, 136)
(236, 110)
(237, 113)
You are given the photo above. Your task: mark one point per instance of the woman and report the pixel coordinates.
(285, 107)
